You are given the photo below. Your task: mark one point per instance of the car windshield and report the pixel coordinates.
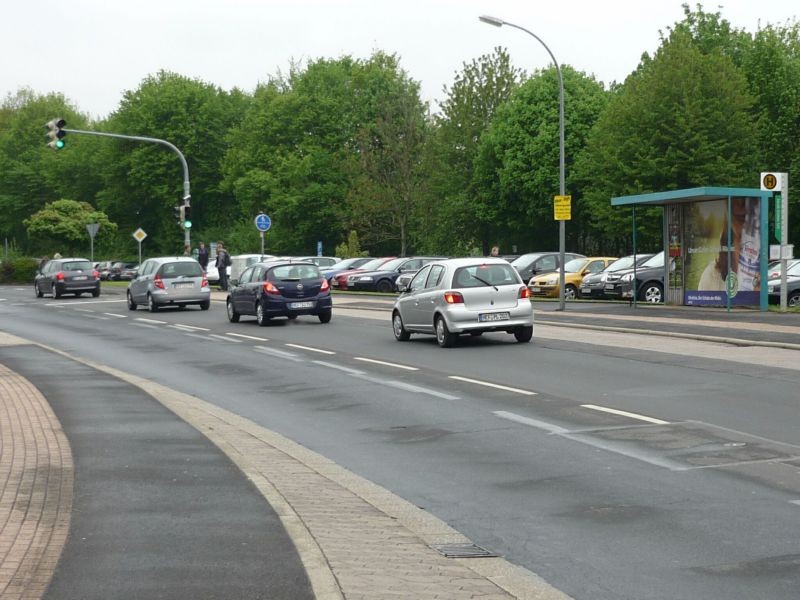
(626, 262)
(393, 264)
(295, 273)
(575, 265)
(523, 261)
(655, 261)
(483, 275)
(181, 269)
(794, 270)
(373, 264)
(77, 265)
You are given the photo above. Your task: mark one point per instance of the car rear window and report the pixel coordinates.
(294, 273)
(181, 269)
(481, 275)
(77, 265)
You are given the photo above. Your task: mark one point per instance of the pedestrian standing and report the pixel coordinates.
(222, 264)
(202, 256)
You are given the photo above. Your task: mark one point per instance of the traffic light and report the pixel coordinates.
(187, 216)
(55, 134)
(177, 214)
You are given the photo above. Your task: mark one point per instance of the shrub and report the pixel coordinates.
(18, 270)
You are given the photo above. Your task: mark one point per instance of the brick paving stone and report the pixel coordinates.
(36, 479)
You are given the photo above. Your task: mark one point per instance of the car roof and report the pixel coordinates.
(475, 260)
(172, 258)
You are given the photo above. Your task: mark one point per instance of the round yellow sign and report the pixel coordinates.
(770, 181)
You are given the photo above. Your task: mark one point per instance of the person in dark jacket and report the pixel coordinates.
(222, 264)
(202, 256)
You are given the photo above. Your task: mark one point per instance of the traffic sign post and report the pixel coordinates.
(778, 183)
(562, 208)
(139, 236)
(263, 223)
(92, 229)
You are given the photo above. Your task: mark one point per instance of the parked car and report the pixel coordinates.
(792, 287)
(344, 265)
(104, 268)
(593, 285)
(241, 261)
(464, 295)
(774, 268)
(323, 262)
(115, 273)
(649, 284)
(382, 279)
(280, 289)
(340, 279)
(535, 263)
(59, 276)
(548, 285)
(169, 281)
(129, 273)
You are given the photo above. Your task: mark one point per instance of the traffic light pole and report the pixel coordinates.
(187, 196)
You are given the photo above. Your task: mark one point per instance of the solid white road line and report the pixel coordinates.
(493, 385)
(624, 413)
(116, 315)
(310, 349)
(279, 353)
(339, 367)
(151, 321)
(247, 337)
(224, 338)
(387, 364)
(189, 327)
(549, 427)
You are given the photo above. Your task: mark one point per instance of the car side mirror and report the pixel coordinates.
(234, 281)
(402, 287)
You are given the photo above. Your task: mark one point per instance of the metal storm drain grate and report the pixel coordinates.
(462, 551)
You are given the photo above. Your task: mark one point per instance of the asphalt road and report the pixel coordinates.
(691, 492)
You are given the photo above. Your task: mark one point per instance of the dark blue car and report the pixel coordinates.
(383, 280)
(280, 289)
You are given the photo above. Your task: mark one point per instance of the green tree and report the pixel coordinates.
(61, 226)
(517, 170)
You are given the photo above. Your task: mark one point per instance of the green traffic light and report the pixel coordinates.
(60, 144)
(187, 224)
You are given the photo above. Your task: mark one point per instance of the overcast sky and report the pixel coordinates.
(94, 50)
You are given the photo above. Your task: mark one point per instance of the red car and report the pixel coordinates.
(339, 280)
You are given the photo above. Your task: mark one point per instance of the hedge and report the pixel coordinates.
(18, 270)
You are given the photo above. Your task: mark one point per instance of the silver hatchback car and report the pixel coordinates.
(464, 295)
(169, 281)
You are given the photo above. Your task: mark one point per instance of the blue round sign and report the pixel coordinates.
(263, 222)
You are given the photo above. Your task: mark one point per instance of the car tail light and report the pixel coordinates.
(269, 288)
(524, 292)
(60, 276)
(325, 285)
(158, 282)
(204, 282)
(96, 274)
(453, 298)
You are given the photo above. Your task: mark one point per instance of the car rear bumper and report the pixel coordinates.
(285, 307)
(70, 287)
(192, 296)
(463, 319)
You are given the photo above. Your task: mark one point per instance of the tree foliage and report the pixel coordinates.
(62, 225)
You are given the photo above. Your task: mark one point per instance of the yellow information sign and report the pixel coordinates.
(562, 208)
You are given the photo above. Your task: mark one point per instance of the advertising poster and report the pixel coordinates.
(714, 271)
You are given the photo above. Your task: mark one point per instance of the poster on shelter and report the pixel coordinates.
(715, 270)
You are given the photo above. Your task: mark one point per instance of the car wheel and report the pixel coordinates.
(55, 291)
(400, 332)
(652, 292)
(233, 316)
(131, 303)
(96, 293)
(524, 334)
(325, 316)
(205, 305)
(793, 301)
(384, 286)
(39, 292)
(151, 303)
(444, 338)
(261, 317)
(570, 292)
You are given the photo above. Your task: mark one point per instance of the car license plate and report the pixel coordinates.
(296, 305)
(536, 288)
(80, 278)
(502, 316)
(586, 291)
(185, 284)
(609, 287)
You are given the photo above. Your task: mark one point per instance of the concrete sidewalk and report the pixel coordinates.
(355, 539)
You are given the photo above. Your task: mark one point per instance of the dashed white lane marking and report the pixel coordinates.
(625, 413)
(247, 337)
(348, 370)
(116, 315)
(224, 338)
(386, 382)
(797, 502)
(320, 350)
(387, 364)
(493, 385)
(205, 338)
(151, 321)
(189, 327)
(85, 310)
(147, 325)
(543, 425)
(279, 353)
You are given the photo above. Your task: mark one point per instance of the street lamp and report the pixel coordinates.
(561, 230)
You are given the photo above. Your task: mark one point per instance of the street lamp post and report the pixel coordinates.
(562, 185)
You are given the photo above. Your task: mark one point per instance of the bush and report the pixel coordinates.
(18, 270)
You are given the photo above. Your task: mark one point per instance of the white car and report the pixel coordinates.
(212, 273)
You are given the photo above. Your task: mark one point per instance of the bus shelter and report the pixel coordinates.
(715, 242)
